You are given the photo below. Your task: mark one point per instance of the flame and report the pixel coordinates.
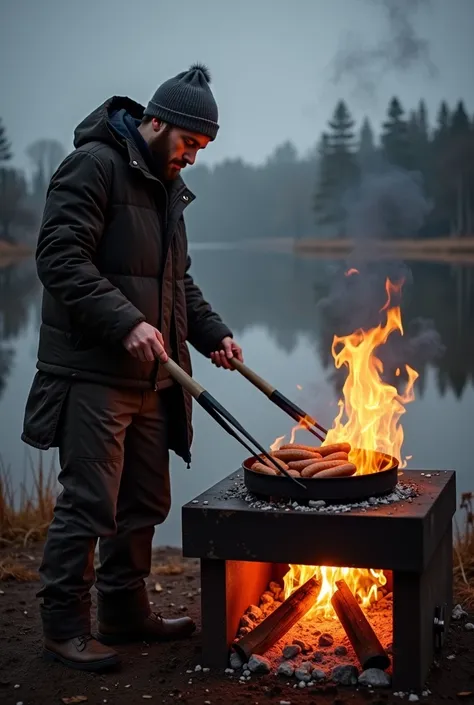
(371, 409)
(351, 271)
(369, 419)
(363, 583)
(277, 443)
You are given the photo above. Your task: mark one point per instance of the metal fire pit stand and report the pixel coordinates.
(242, 549)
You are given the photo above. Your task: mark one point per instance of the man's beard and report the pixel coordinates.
(160, 149)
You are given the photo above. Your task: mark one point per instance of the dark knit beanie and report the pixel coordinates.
(186, 101)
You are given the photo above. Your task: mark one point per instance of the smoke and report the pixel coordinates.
(400, 50)
(387, 202)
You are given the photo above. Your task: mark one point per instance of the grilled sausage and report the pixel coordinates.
(336, 456)
(321, 465)
(302, 464)
(294, 473)
(268, 462)
(264, 469)
(334, 448)
(298, 446)
(339, 471)
(289, 454)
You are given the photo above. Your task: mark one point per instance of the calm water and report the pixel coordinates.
(273, 303)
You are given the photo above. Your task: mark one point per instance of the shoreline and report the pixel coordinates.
(449, 250)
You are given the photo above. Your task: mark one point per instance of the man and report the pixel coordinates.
(118, 300)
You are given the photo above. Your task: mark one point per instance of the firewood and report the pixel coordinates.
(365, 643)
(277, 624)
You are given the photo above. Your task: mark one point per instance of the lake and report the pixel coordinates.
(284, 311)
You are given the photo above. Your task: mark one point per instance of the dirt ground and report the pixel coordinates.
(159, 673)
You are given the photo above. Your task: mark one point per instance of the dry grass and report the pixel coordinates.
(11, 570)
(25, 519)
(171, 567)
(464, 555)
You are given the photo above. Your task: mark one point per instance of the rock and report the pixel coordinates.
(469, 626)
(412, 698)
(246, 673)
(303, 672)
(302, 684)
(259, 664)
(287, 669)
(374, 677)
(246, 622)
(305, 648)
(291, 651)
(325, 640)
(267, 598)
(340, 651)
(235, 661)
(318, 656)
(317, 504)
(318, 674)
(458, 612)
(244, 630)
(254, 611)
(275, 588)
(345, 675)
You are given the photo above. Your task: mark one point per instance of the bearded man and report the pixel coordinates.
(118, 299)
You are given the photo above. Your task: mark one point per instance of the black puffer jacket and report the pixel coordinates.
(109, 255)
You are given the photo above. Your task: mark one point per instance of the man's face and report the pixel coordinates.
(174, 148)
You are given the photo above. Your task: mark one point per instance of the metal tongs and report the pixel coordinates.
(223, 417)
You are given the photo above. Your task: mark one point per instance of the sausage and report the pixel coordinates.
(339, 471)
(288, 454)
(268, 462)
(298, 446)
(294, 473)
(302, 464)
(264, 469)
(320, 465)
(334, 448)
(336, 456)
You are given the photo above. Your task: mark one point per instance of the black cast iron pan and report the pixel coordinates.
(330, 489)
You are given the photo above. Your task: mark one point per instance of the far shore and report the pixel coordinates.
(10, 254)
(447, 249)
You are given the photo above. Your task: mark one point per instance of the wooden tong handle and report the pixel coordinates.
(252, 377)
(193, 387)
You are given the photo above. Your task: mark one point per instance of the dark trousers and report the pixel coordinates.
(114, 461)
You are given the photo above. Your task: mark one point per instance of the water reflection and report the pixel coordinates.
(19, 297)
(285, 311)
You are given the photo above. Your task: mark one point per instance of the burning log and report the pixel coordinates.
(277, 624)
(368, 648)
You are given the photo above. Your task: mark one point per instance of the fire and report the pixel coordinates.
(370, 411)
(369, 419)
(363, 583)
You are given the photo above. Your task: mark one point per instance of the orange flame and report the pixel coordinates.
(369, 419)
(361, 581)
(370, 412)
(351, 271)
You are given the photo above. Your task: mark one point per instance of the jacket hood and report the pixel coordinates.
(96, 127)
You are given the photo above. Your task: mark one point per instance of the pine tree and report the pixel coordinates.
(5, 146)
(443, 122)
(339, 169)
(396, 136)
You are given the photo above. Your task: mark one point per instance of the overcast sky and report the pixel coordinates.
(272, 63)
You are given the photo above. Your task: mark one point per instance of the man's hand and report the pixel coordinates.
(146, 343)
(228, 349)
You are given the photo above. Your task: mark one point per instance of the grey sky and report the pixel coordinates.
(270, 61)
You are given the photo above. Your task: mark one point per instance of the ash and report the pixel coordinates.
(403, 492)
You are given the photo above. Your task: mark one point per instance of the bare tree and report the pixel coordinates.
(45, 154)
(13, 209)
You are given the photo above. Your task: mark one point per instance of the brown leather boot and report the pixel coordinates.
(83, 653)
(153, 628)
